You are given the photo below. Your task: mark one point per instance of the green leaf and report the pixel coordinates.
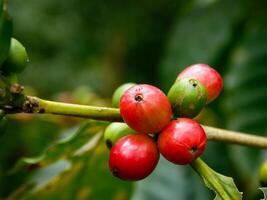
(199, 37)
(83, 177)
(223, 186)
(5, 32)
(169, 181)
(68, 144)
(245, 96)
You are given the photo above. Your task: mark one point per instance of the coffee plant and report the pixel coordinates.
(144, 135)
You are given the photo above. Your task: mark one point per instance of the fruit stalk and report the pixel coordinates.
(37, 105)
(234, 137)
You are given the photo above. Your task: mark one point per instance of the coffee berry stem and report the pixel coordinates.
(234, 137)
(37, 105)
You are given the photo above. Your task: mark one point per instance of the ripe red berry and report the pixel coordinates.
(182, 141)
(145, 108)
(133, 157)
(208, 76)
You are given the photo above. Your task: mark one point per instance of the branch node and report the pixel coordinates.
(16, 89)
(31, 105)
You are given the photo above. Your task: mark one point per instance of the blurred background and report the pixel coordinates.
(81, 51)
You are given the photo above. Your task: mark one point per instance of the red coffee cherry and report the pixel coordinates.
(182, 141)
(145, 108)
(208, 76)
(133, 157)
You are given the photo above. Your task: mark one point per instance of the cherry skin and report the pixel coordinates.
(17, 58)
(115, 131)
(133, 157)
(208, 76)
(182, 141)
(145, 108)
(187, 96)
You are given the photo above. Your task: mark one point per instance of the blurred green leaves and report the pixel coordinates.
(5, 31)
(74, 166)
(101, 44)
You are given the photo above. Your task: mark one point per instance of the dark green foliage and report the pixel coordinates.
(101, 44)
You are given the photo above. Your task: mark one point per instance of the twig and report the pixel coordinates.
(37, 105)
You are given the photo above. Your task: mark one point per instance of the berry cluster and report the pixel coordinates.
(159, 124)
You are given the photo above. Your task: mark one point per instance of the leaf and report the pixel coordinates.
(74, 167)
(168, 181)
(199, 37)
(245, 96)
(83, 177)
(223, 186)
(66, 145)
(5, 32)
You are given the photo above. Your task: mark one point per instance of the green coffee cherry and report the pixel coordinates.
(119, 92)
(17, 58)
(263, 174)
(187, 96)
(115, 131)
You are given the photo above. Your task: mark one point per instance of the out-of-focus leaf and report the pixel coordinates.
(223, 186)
(83, 177)
(199, 37)
(65, 146)
(169, 182)
(74, 167)
(5, 32)
(245, 98)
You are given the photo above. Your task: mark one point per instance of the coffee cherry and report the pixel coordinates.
(115, 131)
(145, 108)
(17, 58)
(208, 76)
(263, 174)
(119, 92)
(182, 141)
(187, 96)
(133, 157)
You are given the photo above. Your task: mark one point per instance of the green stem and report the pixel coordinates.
(234, 137)
(37, 105)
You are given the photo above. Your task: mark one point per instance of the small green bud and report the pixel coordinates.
(115, 131)
(17, 58)
(119, 92)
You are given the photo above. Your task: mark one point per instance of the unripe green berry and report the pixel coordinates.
(115, 131)
(187, 96)
(17, 58)
(119, 92)
(263, 174)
